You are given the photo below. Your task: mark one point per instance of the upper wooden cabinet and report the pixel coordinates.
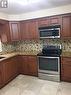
(10, 31)
(5, 33)
(15, 31)
(2, 22)
(66, 26)
(55, 20)
(24, 30)
(43, 22)
(33, 29)
(29, 29)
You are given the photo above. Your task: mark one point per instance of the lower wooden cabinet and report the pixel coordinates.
(66, 69)
(1, 76)
(10, 69)
(32, 65)
(24, 65)
(29, 65)
(16, 65)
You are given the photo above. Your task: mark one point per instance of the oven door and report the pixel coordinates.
(49, 65)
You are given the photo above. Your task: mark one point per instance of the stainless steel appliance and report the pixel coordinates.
(49, 63)
(49, 31)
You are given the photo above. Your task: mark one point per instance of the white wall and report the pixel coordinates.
(42, 13)
(37, 14)
(3, 16)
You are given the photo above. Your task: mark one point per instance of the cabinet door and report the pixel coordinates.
(32, 65)
(24, 30)
(43, 22)
(5, 33)
(33, 29)
(1, 76)
(66, 69)
(29, 30)
(55, 20)
(28, 65)
(15, 31)
(66, 27)
(10, 69)
(24, 64)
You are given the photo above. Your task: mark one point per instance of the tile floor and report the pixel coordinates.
(28, 85)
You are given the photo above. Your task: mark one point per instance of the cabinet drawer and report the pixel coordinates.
(66, 60)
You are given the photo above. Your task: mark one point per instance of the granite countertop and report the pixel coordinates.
(66, 54)
(8, 55)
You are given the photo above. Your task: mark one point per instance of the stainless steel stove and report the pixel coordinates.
(49, 63)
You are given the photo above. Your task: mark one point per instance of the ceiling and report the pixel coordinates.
(21, 6)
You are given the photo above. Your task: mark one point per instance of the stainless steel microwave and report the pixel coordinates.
(50, 32)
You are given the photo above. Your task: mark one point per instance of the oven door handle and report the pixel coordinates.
(50, 75)
(47, 57)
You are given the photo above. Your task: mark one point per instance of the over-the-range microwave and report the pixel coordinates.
(49, 31)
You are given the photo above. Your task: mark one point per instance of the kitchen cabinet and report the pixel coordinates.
(55, 20)
(32, 65)
(10, 31)
(24, 30)
(2, 22)
(29, 30)
(48, 21)
(15, 31)
(10, 69)
(1, 76)
(66, 69)
(42, 22)
(66, 26)
(5, 33)
(29, 65)
(24, 65)
(33, 29)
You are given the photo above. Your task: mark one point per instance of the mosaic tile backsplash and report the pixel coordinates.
(23, 46)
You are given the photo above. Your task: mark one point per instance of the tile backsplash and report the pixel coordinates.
(31, 45)
(7, 48)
